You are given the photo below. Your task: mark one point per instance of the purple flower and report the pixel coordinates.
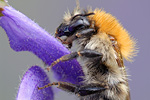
(25, 35)
(33, 78)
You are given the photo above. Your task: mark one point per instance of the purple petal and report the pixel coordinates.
(25, 35)
(35, 77)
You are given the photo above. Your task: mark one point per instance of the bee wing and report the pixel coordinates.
(128, 97)
(119, 60)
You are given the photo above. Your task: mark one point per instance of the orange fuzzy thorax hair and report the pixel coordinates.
(110, 25)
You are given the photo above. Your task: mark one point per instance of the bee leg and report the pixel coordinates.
(85, 33)
(90, 54)
(89, 89)
(64, 41)
(86, 53)
(63, 58)
(69, 40)
(82, 90)
(62, 85)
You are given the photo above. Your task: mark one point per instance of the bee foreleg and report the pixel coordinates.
(84, 33)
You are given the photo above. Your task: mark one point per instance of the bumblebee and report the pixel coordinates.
(101, 43)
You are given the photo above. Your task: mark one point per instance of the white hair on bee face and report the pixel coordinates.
(67, 16)
(76, 11)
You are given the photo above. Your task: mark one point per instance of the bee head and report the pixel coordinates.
(75, 23)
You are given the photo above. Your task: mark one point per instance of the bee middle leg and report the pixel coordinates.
(85, 53)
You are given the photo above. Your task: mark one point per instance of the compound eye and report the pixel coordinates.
(66, 29)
